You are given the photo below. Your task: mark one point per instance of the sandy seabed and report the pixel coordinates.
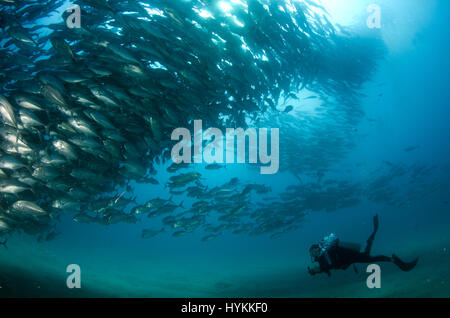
(38, 273)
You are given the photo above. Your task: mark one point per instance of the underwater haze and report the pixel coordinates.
(358, 91)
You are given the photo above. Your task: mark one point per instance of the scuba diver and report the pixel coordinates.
(332, 254)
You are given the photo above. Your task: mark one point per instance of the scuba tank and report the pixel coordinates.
(326, 243)
(332, 240)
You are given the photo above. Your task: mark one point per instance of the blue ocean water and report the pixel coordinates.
(404, 126)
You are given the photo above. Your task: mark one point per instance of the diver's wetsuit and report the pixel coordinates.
(337, 257)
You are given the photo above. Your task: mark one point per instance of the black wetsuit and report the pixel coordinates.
(337, 257)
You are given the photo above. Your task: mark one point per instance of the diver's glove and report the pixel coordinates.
(311, 272)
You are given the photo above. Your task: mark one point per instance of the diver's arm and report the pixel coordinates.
(314, 270)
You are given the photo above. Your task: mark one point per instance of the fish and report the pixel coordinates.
(148, 233)
(14, 187)
(156, 203)
(4, 227)
(214, 166)
(288, 109)
(65, 149)
(27, 208)
(11, 163)
(209, 237)
(83, 218)
(167, 208)
(29, 102)
(88, 112)
(7, 112)
(180, 233)
(411, 148)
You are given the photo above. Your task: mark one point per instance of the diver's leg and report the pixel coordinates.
(366, 258)
(380, 258)
(372, 236)
(404, 266)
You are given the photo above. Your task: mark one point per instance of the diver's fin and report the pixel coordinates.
(375, 222)
(404, 266)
